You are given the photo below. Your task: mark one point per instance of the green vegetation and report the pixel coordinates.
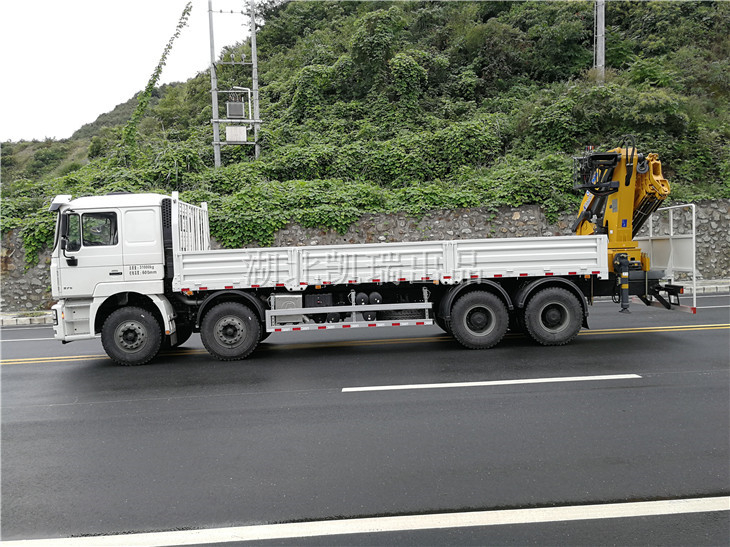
(410, 106)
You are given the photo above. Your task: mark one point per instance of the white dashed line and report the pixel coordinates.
(493, 383)
(390, 524)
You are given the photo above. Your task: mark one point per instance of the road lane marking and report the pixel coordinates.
(643, 330)
(71, 358)
(493, 383)
(377, 342)
(437, 521)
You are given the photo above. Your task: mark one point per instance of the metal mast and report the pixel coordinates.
(599, 37)
(241, 114)
(255, 79)
(214, 91)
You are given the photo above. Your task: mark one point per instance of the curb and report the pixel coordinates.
(708, 289)
(12, 320)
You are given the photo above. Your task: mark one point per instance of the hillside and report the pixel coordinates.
(385, 106)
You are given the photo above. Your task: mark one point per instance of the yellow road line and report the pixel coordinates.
(640, 330)
(70, 358)
(354, 343)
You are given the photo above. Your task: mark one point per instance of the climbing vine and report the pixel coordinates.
(129, 133)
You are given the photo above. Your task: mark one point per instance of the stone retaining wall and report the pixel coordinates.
(30, 290)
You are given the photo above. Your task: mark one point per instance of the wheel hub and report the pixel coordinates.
(554, 317)
(131, 336)
(479, 321)
(230, 331)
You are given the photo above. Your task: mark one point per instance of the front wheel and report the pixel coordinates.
(553, 316)
(230, 331)
(131, 336)
(479, 320)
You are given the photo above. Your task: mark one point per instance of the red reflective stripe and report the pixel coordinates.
(376, 280)
(401, 279)
(228, 287)
(203, 289)
(548, 273)
(420, 323)
(277, 330)
(447, 277)
(475, 277)
(255, 286)
(396, 324)
(497, 275)
(326, 282)
(425, 279)
(321, 328)
(523, 275)
(346, 326)
(595, 273)
(571, 273)
(184, 290)
(280, 285)
(372, 324)
(297, 328)
(303, 283)
(352, 281)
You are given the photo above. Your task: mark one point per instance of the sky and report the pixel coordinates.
(65, 62)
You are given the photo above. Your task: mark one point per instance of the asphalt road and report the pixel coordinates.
(187, 442)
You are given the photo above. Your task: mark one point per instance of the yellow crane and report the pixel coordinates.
(622, 189)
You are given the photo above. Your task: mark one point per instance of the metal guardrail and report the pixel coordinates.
(674, 250)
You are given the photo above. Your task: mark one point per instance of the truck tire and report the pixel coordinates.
(230, 331)
(479, 320)
(131, 336)
(553, 316)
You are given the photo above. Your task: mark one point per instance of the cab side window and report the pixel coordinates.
(99, 229)
(74, 233)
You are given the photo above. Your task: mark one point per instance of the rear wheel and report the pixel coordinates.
(131, 336)
(553, 316)
(230, 331)
(479, 320)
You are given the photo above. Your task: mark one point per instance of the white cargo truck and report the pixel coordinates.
(137, 270)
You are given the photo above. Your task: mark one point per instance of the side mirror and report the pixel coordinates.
(70, 260)
(63, 229)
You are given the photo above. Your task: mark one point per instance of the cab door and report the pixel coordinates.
(142, 242)
(92, 253)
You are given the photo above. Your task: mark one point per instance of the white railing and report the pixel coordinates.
(190, 226)
(671, 245)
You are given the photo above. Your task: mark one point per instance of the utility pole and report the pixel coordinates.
(242, 103)
(599, 40)
(255, 79)
(214, 91)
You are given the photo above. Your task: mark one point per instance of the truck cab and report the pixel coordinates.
(105, 247)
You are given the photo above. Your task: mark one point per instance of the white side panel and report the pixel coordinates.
(444, 261)
(532, 256)
(142, 243)
(239, 268)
